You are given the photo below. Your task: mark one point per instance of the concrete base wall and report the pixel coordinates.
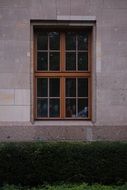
(28, 132)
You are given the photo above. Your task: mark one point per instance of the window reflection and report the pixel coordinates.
(83, 108)
(70, 107)
(70, 41)
(82, 41)
(71, 61)
(70, 87)
(54, 87)
(82, 61)
(82, 87)
(42, 108)
(42, 87)
(42, 61)
(54, 109)
(42, 41)
(54, 40)
(54, 61)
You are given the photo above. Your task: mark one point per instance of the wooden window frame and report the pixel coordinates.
(62, 74)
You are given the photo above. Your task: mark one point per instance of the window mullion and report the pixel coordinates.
(48, 99)
(89, 79)
(76, 96)
(36, 52)
(62, 51)
(62, 99)
(62, 80)
(48, 52)
(76, 52)
(89, 52)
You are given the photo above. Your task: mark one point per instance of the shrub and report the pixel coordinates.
(38, 163)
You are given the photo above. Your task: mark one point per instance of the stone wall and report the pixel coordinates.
(109, 70)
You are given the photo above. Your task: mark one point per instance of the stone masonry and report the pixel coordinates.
(109, 84)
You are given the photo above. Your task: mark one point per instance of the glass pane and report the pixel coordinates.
(54, 108)
(54, 61)
(70, 61)
(54, 40)
(70, 107)
(42, 108)
(70, 41)
(70, 87)
(82, 61)
(42, 87)
(42, 41)
(82, 87)
(83, 107)
(54, 87)
(42, 61)
(82, 41)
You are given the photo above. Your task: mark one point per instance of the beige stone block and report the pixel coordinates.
(115, 4)
(43, 9)
(63, 8)
(14, 80)
(112, 80)
(110, 63)
(111, 114)
(115, 17)
(14, 113)
(15, 3)
(22, 97)
(6, 97)
(80, 7)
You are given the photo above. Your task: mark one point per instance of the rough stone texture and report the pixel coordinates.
(109, 70)
(16, 133)
(28, 132)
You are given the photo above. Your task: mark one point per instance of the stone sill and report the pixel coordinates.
(49, 123)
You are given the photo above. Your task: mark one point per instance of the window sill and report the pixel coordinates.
(63, 123)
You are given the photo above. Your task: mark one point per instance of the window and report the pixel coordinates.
(62, 74)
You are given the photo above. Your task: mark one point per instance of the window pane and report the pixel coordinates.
(54, 61)
(42, 87)
(70, 107)
(82, 41)
(42, 41)
(82, 87)
(54, 110)
(42, 61)
(54, 87)
(70, 61)
(42, 108)
(83, 107)
(54, 40)
(82, 61)
(70, 87)
(70, 41)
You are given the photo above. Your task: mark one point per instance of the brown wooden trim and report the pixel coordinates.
(90, 79)
(35, 98)
(65, 119)
(67, 74)
(62, 87)
(62, 74)
(62, 51)
(34, 79)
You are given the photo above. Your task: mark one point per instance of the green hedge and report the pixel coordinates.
(38, 163)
